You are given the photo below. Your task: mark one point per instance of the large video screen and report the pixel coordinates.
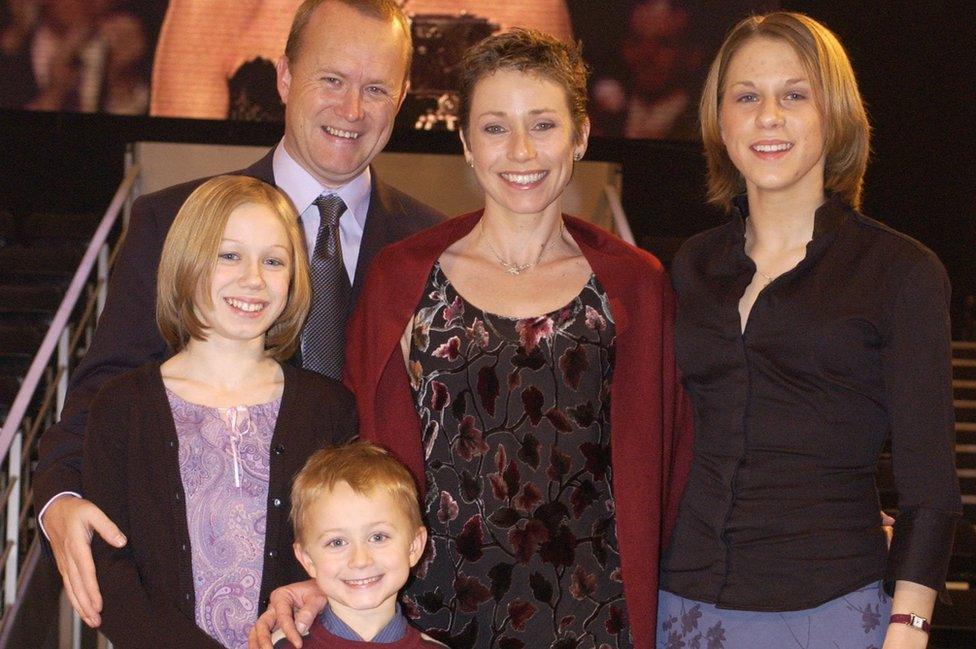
(215, 59)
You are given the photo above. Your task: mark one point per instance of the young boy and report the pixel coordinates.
(358, 533)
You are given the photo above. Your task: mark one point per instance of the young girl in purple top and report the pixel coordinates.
(194, 456)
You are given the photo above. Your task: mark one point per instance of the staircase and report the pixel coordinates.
(955, 626)
(964, 393)
(39, 253)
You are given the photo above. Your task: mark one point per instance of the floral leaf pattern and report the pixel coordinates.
(853, 620)
(488, 388)
(573, 363)
(523, 549)
(448, 509)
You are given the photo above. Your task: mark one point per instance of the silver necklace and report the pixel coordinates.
(769, 280)
(517, 269)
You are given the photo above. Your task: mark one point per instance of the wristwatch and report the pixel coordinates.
(912, 620)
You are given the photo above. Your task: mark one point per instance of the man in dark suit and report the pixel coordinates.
(342, 79)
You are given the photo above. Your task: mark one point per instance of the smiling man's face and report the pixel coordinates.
(342, 91)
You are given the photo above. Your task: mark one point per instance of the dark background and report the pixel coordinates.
(915, 63)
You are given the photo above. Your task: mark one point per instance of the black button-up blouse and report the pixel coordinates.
(851, 346)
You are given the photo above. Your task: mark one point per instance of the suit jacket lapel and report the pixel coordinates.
(262, 169)
(384, 225)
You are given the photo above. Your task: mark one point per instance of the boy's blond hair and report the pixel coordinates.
(365, 467)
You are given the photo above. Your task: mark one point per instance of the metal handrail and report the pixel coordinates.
(16, 447)
(42, 358)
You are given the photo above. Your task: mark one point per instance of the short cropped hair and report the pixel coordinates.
(190, 255)
(847, 132)
(365, 467)
(386, 10)
(531, 51)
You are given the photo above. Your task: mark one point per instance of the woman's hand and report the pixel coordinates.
(902, 636)
(888, 525)
(304, 596)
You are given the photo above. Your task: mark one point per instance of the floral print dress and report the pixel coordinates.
(515, 416)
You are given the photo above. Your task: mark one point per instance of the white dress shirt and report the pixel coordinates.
(303, 189)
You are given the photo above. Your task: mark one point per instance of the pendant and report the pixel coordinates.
(517, 269)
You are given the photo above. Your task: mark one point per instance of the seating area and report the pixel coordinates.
(39, 254)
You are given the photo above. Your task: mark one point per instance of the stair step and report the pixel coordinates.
(965, 415)
(47, 226)
(9, 385)
(20, 341)
(22, 261)
(20, 298)
(8, 228)
(967, 483)
(30, 304)
(965, 438)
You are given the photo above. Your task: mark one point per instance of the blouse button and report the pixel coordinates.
(183, 547)
(276, 503)
(272, 553)
(172, 443)
(279, 449)
(186, 596)
(177, 496)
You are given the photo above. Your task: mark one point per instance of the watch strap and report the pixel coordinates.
(912, 620)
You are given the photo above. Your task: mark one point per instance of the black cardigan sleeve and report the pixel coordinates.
(918, 381)
(130, 616)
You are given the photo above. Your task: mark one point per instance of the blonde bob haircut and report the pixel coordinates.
(847, 132)
(365, 467)
(190, 255)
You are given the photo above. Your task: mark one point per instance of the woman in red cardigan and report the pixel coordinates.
(520, 362)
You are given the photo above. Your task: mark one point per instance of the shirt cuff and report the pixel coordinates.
(40, 516)
(921, 548)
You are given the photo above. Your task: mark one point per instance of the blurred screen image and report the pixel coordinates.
(216, 59)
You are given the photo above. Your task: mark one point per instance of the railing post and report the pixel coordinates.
(101, 280)
(13, 518)
(63, 352)
(136, 191)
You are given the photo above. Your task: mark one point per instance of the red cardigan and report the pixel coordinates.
(650, 420)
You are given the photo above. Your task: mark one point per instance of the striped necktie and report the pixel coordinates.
(323, 348)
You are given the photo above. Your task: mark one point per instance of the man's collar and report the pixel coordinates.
(302, 188)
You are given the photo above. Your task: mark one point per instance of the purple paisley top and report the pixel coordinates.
(225, 466)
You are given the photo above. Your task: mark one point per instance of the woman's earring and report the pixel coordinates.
(471, 163)
(577, 156)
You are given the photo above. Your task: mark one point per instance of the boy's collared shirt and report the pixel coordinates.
(329, 632)
(392, 632)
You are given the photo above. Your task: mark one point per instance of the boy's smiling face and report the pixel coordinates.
(360, 549)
